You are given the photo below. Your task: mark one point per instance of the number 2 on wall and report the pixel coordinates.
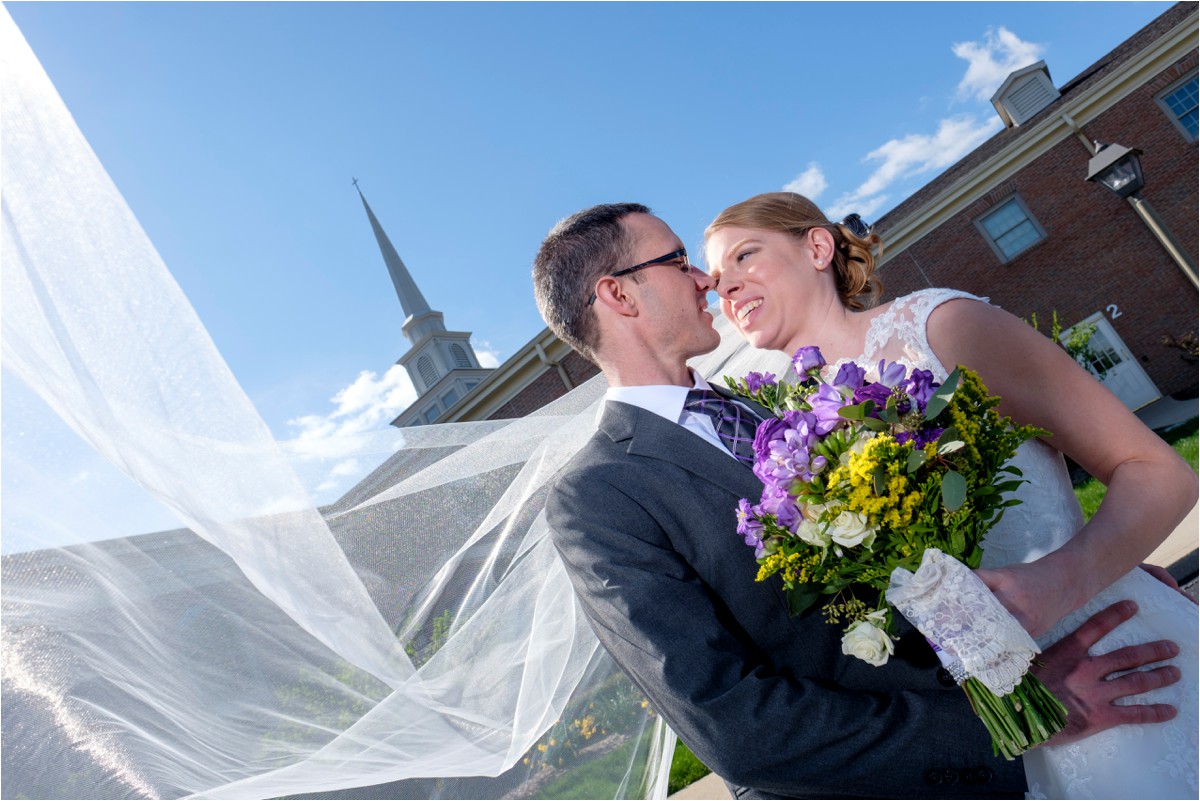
(1113, 311)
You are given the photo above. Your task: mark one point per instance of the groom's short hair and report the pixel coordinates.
(577, 252)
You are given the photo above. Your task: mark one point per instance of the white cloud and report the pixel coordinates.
(810, 183)
(866, 207)
(990, 61)
(348, 467)
(911, 156)
(488, 356)
(369, 403)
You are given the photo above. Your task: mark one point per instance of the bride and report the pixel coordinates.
(788, 278)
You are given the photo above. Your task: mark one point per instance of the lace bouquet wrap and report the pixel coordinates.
(877, 492)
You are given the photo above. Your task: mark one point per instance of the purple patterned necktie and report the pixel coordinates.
(735, 425)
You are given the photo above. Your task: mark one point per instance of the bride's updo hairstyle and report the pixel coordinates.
(786, 212)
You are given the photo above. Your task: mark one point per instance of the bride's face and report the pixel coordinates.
(770, 283)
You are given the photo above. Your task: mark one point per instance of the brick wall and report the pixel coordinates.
(547, 387)
(1097, 254)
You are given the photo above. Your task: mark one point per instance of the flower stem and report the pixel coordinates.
(1027, 717)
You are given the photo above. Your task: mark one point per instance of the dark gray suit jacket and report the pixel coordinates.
(644, 518)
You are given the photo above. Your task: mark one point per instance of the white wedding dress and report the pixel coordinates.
(1146, 761)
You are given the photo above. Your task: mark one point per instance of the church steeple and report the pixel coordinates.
(442, 364)
(411, 299)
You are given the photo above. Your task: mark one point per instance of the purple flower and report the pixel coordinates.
(825, 403)
(756, 381)
(919, 438)
(919, 387)
(807, 358)
(782, 450)
(875, 392)
(892, 374)
(768, 430)
(849, 377)
(778, 502)
(749, 526)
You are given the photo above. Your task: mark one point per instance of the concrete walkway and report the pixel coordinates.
(1178, 553)
(710, 788)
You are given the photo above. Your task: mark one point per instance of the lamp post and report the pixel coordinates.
(1119, 169)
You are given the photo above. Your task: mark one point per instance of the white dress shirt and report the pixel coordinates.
(666, 400)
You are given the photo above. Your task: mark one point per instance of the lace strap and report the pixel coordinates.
(899, 333)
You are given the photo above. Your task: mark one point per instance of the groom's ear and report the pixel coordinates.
(612, 295)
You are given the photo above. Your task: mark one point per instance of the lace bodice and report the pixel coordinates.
(1047, 517)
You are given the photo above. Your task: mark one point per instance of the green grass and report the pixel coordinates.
(1181, 437)
(598, 777)
(685, 768)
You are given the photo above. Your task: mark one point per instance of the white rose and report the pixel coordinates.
(850, 529)
(860, 445)
(866, 640)
(813, 511)
(813, 533)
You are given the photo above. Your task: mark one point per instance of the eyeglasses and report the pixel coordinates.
(684, 266)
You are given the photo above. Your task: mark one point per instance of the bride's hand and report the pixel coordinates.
(1034, 593)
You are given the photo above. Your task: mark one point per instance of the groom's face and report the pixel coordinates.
(673, 296)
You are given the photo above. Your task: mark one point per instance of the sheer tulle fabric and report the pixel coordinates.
(419, 633)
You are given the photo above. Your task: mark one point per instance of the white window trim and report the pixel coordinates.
(987, 237)
(1170, 112)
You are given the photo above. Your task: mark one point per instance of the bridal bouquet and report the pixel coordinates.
(877, 494)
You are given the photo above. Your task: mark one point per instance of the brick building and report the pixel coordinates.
(1016, 221)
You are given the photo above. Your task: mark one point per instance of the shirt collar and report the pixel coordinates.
(665, 400)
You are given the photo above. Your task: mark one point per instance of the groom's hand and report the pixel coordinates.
(1086, 685)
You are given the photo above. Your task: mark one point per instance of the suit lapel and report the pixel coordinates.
(654, 437)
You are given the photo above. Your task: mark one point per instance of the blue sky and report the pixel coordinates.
(234, 130)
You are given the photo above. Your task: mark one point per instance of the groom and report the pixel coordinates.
(644, 518)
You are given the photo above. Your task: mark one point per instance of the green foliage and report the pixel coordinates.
(599, 777)
(1077, 345)
(944, 495)
(771, 394)
(323, 700)
(1186, 447)
(439, 632)
(686, 769)
(614, 709)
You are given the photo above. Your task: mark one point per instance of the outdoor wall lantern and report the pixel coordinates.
(1119, 169)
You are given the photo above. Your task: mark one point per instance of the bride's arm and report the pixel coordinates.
(1150, 488)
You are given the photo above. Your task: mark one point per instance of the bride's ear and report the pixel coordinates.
(823, 246)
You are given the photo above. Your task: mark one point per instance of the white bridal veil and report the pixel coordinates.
(419, 633)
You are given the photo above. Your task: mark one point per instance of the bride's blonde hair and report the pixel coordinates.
(854, 255)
